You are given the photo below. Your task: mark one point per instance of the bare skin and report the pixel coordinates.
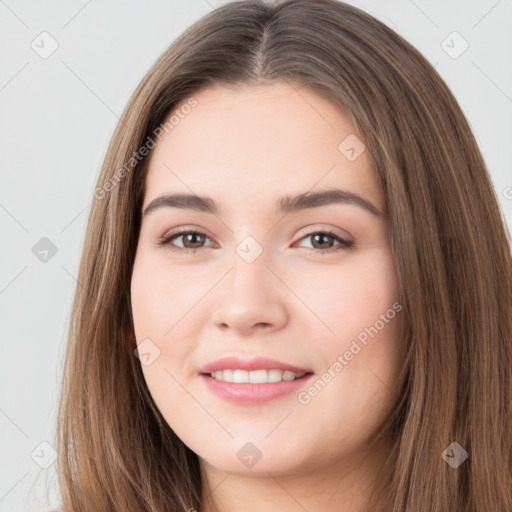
(245, 148)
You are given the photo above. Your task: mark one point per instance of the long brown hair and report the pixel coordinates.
(448, 238)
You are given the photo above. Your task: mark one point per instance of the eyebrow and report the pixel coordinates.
(287, 204)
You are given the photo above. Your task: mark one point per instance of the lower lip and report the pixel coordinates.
(246, 393)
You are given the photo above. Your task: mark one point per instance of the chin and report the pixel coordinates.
(254, 459)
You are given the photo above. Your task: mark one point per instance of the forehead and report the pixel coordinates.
(249, 143)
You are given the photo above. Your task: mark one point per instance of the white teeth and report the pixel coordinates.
(254, 376)
(240, 376)
(258, 376)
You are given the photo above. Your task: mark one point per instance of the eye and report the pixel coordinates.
(322, 241)
(192, 240)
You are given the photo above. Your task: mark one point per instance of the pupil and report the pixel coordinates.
(194, 235)
(320, 236)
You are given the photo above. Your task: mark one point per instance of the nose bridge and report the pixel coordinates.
(249, 274)
(250, 295)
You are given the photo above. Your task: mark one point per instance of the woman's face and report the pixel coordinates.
(275, 271)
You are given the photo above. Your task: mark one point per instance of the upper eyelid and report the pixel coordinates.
(186, 231)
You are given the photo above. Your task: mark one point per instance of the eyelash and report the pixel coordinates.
(166, 241)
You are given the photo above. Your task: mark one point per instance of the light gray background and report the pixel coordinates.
(57, 116)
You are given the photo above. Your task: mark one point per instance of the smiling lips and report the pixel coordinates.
(252, 381)
(258, 363)
(257, 371)
(255, 376)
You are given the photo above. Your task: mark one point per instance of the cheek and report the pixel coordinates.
(148, 305)
(161, 297)
(158, 304)
(351, 296)
(164, 306)
(360, 304)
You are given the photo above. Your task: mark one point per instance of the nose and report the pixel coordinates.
(251, 299)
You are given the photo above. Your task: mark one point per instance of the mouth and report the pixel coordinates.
(254, 387)
(259, 376)
(240, 380)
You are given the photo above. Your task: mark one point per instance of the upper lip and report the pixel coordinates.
(257, 363)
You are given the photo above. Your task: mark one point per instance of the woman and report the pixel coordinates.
(296, 283)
